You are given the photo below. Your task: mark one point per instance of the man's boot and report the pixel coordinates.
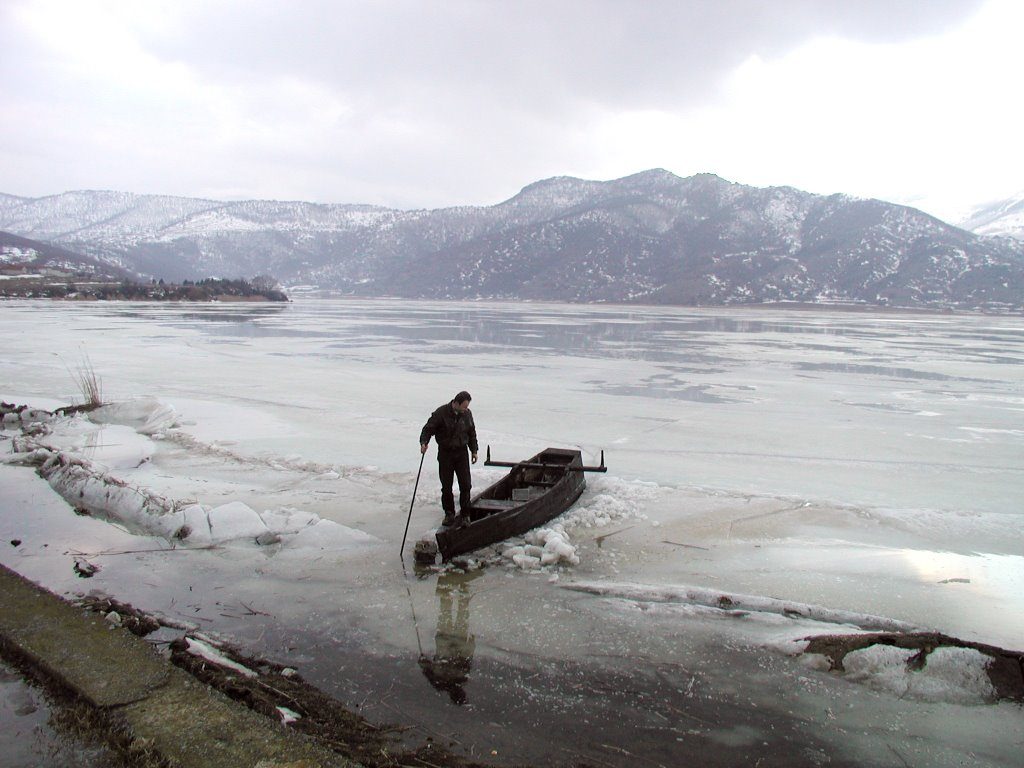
(449, 519)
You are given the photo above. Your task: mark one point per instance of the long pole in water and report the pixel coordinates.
(414, 489)
(412, 607)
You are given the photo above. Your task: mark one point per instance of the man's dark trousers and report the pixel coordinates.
(452, 464)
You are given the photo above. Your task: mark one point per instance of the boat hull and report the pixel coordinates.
(540, 489)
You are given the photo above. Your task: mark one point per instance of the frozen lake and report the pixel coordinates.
(865, 464)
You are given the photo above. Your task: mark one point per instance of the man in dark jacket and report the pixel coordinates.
(452, 427)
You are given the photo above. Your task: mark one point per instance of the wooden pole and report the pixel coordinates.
(401, 551)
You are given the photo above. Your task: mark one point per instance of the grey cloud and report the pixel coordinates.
(441, 102)
(549, 54)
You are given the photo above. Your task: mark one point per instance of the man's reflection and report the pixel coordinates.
(448, 669)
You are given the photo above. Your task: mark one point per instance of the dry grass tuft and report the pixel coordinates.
(89, 383)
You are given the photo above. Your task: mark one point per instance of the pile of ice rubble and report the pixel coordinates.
(79, 464)
(546, 549)
(543, 546)
(549, 549)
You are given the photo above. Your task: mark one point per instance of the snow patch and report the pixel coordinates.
(955, 675)
(206, 651)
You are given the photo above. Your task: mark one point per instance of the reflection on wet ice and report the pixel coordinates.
(448, 669)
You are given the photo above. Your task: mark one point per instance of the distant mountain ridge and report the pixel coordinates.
(1003, 217)
(652, 237)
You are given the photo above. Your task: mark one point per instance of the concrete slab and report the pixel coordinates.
(106, 666)
(154, 704)
(190, 724)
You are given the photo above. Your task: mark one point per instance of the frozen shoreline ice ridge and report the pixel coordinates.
(57, 445)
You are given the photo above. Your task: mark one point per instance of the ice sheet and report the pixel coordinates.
(866, 464)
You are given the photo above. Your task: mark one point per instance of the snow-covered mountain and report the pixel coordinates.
(652, 237)
(1004, 217)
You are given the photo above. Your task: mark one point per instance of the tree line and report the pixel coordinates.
(209, 289)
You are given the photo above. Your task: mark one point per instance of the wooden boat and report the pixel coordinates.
(533, 492)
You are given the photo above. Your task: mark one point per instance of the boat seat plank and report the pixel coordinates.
(492, 505)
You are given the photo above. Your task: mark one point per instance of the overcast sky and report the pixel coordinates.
(428, 104)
